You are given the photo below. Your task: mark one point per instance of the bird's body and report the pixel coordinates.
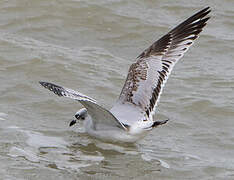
(131, 117)
(109, 133)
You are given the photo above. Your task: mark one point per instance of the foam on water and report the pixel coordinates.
(38, 140)
(27, 153)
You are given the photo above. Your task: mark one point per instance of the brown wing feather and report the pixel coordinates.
(167, 51)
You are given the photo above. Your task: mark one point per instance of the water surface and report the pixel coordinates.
(88, 46)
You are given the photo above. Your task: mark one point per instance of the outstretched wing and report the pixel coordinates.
(99, 114)
(147, 77)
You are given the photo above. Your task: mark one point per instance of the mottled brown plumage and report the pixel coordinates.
(149, 74)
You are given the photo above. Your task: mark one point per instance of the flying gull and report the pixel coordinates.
(131, 117)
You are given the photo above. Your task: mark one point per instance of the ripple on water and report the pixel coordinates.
(50, 40)
(27, 153)
(3, 116)
(52, 152)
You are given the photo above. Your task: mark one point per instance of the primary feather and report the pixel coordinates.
(147, 77)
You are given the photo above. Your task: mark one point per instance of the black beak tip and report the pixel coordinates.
(72, 123)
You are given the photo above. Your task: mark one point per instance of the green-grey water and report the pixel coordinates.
(88, 46)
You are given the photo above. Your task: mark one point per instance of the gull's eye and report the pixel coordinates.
(81, 114)
(144, 119)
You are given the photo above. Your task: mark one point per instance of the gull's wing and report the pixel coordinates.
(147, 77)
(99, 114)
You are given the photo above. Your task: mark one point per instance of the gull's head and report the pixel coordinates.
(80, 116)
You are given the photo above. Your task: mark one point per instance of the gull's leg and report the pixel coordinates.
(157, 123)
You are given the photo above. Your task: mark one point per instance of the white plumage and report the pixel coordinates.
(132, 115)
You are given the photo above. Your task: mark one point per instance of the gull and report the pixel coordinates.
(131, 117)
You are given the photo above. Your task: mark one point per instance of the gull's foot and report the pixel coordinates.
(157, 123)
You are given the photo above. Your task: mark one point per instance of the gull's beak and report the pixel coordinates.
(72, 122)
